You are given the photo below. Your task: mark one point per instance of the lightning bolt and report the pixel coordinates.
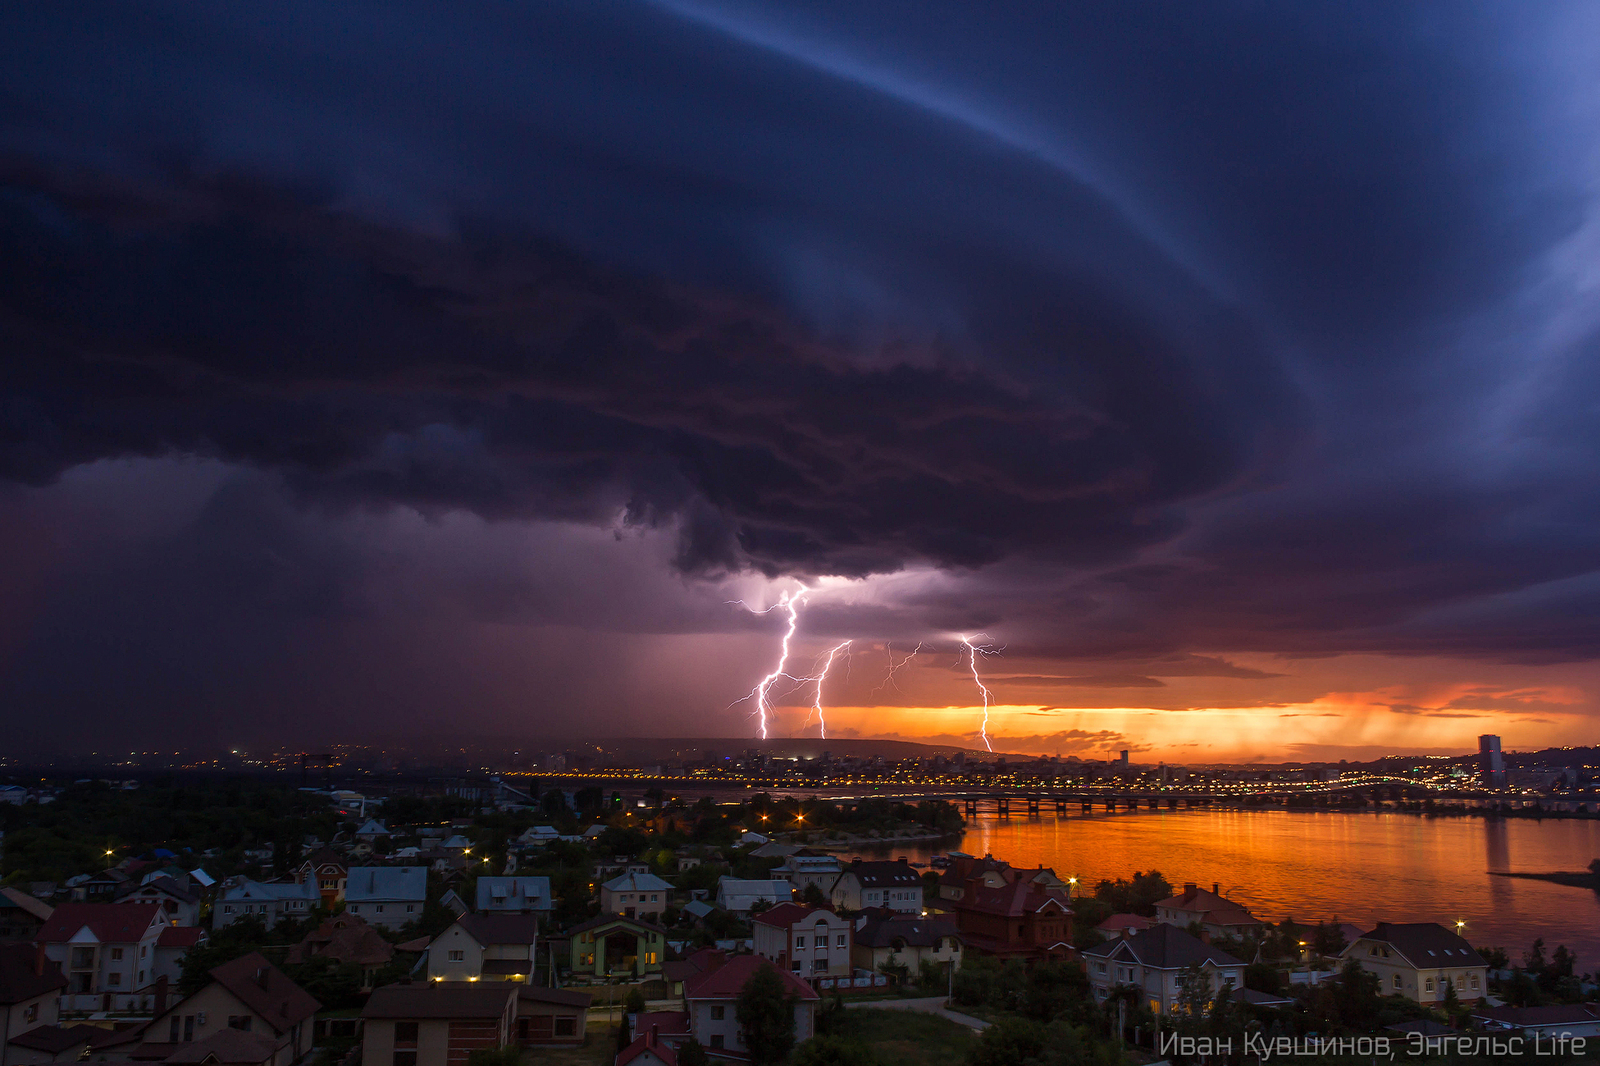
(789, 602)
(822, 722)
(895, 666)
(973, 651)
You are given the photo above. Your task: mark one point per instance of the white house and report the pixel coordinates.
(1419, 960)
(269, 901)
(182, 906)
(635, 895)
(807, 941)
(739, 895)
(711, 999)
(103, 947)
(490, 947)
(388, 896)
(895, 885)
(1154, 961)
(804, 870)
(514, 895)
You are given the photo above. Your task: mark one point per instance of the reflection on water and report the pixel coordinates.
(1355, 867)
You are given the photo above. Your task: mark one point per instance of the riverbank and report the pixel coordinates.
(857, 843)
(1575, 879)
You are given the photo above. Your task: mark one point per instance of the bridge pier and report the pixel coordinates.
(1002, 807)
(1033, 806)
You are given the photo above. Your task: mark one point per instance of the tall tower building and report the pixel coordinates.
(1491, 764)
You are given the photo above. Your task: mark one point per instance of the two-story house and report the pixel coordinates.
(711, 999)
(103, 947)
(514, 895)
(895, 885)
(180, 902)
(387, 896)
(1215, 914)
(436, 1024)
(490, 947)
(1156, 961)
(612, 945)
(246, 996)
(1419, 959)
(1017, 920)
(326, 869)
(30, 985)
(268, 901)
(740, 895)
(807, 941)
(635, 895)
(803, 870)
(883, 940)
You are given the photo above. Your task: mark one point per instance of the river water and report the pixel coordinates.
(1355, 867)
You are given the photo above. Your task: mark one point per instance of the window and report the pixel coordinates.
(717, 1013)
(566, 1026)
(458, 956)
(1397, 980)
(410, 907)
(240, 1022)
(819, 965)
(654, 897)
(144, 949)
(799, 941)
(114, 978)
(1099, 967)
(172, 1031)
(228, 909)
(716, 1040)
(31, 1013)
(843, 937)
(405, 1058)
(380, 908)
(1474, 982)
(141, 977)
(188, 1028)
(649, 958)
(83, 958)
(405, 1034)
(1427, 985)
(116, 954)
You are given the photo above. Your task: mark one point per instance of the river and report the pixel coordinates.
(1356, 867)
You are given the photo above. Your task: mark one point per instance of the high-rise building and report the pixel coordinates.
(1491, 764)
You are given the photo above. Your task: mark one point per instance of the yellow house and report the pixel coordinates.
(1419, 960)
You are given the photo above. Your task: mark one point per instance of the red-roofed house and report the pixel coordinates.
(648, 1050)
(103, 948)
(1124, 925)
(248, 994)
(711, 997)
(1020, 920)
(1216, 915)
(807, 941)
(171, 946)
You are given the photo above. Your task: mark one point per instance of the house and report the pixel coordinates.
(21, 915)
(807, 941)
(493, 947)
(1154, 961)
(514, 895)
(270, 901)
(1216, 915)
(648, 1049)
(103, 947)
(386, 896)
(698, 911)
(172, 945)
(879, 884)
(181, 903)
(1418, 960)
(345, 939)
(536, 835)
(99, 888)
(739, 895)
(612, 944)
(884, 940)
(1019, 920)
(326, 869)
(749, 837)
(710, 999)
(372, 830)
(803, 870)
(248, 994)
(549, 1017)
(641, 895)
(1546, 1024)
(966, 873)
(73, 1043)
(29, 986)
(676, 971)
(436, 1024)
(775, 850)
(1124, 925)
(227, 1047)
(457, 843)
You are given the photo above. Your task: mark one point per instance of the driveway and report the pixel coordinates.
(928, 1005)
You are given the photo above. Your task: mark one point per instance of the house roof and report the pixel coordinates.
(13, 898)
(726, 981)
(667, 1022)
(1119, 922)
(616, 919)
(266, 990)
(735, 887)
(54, 1039)
(1214, 909)
(111, 923)
(885, 874)
(637, 883)
(489, 929)
(559, 996)
(1524, 1017)
(323, 856)
(1422, 944)
(1260, 999)
(180, 936)
(882, 932)
(381, 884)
(514, 893)
(647, 1043)
(1014, 900)
(372, 827)
(165, 885)
(344, 938)
(25, 973)
(1165, 947)
(441, 999)
(786, 914)
(270, 891)
(229, 1047)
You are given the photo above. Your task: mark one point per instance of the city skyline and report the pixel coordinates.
(1226, 373)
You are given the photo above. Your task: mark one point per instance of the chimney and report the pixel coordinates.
(161, 995)
(261, 976)
(1189, 888)
(655, 1035)
(1215, 888)
(38, 961)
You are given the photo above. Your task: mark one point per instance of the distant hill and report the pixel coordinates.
(640, 750)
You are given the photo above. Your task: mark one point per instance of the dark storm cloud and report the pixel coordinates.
(1170, 331)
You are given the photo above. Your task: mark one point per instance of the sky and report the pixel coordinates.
(1217, 380)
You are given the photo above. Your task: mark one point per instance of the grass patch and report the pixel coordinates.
(600, 1049)
(904, 1037)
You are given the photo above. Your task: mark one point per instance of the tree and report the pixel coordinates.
(813, 896)
(1495, 957)
(692, 1053)
(829, 1051)
(633, 1003)
(504, 1055)
(765, 1012)
(1008, 1042)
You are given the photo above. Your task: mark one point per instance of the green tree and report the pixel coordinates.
(504, 1055)
(1009, 1042)
(692, 1053)
(765, 1012)
(829, 1051)
(813, 896)
(633, 1003)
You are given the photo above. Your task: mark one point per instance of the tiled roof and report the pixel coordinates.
(725, 981)
(651, 1043)
(513, 893)
(489, 929)
(266, 990)
(786, 914)
(1559, 1014)
(1422, 944)
(384, 884)
(232, 1047)
(111, 923)
(25, 973)
(1165, 947)
(159, 884)
(12, 897)
(885, 874)
(446, 999)
(270, 891)
(558, 996)
(180, 936)
(1013, 900)
(1214, 909)
(914, 932)
(1118, 922)
(637, 883)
